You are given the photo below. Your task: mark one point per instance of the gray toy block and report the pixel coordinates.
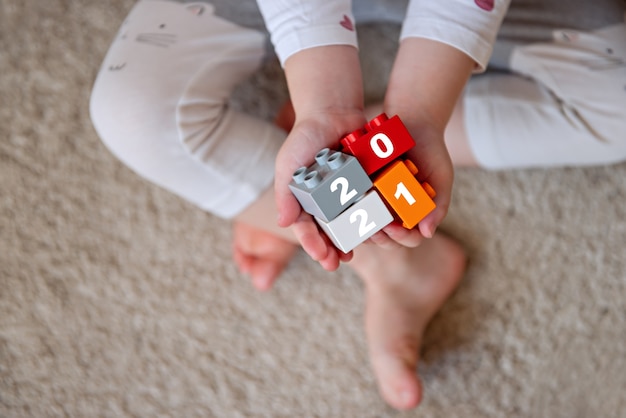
(330, 185)
(359, 222)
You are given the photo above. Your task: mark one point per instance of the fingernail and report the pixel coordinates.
(430, 231)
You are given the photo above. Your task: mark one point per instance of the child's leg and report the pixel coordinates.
(457, 141)
(405, 287)
(564, 101)
(160, 103)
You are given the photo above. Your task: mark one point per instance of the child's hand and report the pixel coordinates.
(435, 167)
(309, 135)
(426, 81)
(327, 95)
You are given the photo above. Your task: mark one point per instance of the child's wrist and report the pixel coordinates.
(325, 79)
(417, 119)
(426, 81)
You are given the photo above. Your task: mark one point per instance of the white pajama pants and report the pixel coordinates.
(565, 103)
(160, 104)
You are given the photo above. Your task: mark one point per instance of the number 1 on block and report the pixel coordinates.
(404, 194)
(402, 191)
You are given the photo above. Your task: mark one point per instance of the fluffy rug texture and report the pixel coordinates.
(118, 299)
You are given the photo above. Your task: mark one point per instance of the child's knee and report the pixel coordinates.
(121, 114)
(167, 57)
(194, 146)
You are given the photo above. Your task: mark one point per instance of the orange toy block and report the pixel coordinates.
(410, 200)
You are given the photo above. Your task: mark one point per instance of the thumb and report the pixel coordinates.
(287, 205)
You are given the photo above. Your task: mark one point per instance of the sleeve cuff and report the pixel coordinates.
(464, 39)
(312, 37)
(468, 26)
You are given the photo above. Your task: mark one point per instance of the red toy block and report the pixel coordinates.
(381, 141)
(410, 200)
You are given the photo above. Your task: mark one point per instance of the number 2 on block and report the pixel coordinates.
(401, 190)
(344, 194)
(364, 227)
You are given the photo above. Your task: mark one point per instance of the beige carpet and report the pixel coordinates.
(118, 299)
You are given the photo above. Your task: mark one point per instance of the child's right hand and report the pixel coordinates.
(327, 94)
(310, 134)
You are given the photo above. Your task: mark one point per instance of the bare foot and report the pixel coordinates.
(405, 288)
(260, 254)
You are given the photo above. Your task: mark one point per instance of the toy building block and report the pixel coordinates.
(410, 200)
(330, 185)
(379, 143)
(359, 222)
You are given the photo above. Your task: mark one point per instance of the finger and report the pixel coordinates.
(345, 258)
(335, 256)
(331, 261)
(406, 237)
(382, 240)
(428, 226)
(288, 207)
(438, 172)
(310, 237)
(289, 159)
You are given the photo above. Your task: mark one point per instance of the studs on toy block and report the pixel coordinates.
(330, 185)
(409, 199)
(381, 141)
(359, 222)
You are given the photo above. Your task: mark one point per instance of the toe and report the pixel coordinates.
(397, 379)
(264, 273)
(242, 260)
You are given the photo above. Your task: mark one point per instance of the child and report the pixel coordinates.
(159, 103)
